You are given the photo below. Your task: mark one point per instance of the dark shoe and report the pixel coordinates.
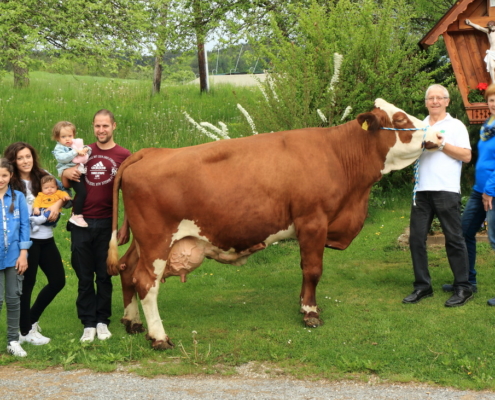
(418, 295)
(459, 298)
(491, 302)
(450, 288)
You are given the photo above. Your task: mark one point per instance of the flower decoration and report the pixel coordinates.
(477, 95)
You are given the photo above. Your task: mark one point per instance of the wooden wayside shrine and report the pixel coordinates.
(467, 48)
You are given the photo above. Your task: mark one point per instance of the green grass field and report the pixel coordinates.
(251, 313)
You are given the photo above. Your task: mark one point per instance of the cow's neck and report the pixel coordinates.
(361, 155)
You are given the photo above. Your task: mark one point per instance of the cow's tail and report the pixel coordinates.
(113, 253)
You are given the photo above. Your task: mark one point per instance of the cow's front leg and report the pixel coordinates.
(156, 332)
(312, 244)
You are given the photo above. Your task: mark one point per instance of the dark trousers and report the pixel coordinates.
(474, 215)
(80, 198)
(447, 207)
(43, 253)
(89, 254)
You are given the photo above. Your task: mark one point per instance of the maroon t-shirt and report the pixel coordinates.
(102, 167)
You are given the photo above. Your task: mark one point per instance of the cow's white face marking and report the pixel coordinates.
(289, 233)
(403, 154)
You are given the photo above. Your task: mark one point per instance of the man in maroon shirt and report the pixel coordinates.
(90, 245)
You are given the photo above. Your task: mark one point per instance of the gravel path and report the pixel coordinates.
(17, 383)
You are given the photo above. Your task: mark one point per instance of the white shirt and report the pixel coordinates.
(45, 232)
(437, 170)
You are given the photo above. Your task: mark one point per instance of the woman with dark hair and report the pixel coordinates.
(44, 252)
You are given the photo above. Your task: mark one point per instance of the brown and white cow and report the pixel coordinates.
(228, 199)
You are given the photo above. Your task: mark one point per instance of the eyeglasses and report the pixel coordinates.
(435, 98)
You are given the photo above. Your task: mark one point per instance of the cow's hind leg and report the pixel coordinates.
(312, 244)
(131, 318)
(148, 292)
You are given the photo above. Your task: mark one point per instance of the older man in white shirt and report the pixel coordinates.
(438, 194)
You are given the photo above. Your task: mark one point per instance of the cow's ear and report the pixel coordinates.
(368, 121)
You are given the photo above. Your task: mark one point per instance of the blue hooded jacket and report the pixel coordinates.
(15, 228)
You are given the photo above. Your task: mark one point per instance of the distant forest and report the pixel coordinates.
(178, 67)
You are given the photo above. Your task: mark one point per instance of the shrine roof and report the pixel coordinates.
(448, 19)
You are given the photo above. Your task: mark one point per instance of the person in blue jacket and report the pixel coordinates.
(13, 253)
(480, 205)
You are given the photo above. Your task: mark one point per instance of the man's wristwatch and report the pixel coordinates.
(442, 145)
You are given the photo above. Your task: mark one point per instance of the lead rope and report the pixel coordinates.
(416, 179)
(416, 163)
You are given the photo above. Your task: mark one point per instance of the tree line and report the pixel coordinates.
(177, 67)
(117, 35)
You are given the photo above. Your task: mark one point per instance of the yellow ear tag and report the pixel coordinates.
(365, 125)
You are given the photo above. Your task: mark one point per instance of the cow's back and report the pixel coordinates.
(240, 190)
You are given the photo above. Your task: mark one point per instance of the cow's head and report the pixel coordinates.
(408, 144)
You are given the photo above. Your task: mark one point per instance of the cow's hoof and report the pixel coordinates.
(313, 321)
(160, 344)
(132, 327)
(136, 328)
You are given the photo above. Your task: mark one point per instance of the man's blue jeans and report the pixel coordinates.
(472, 218)
(447, 207)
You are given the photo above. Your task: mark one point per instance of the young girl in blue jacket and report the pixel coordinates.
(14, 217)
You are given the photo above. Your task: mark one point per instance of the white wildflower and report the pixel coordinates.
(261, 88)
(223, 132)
(200, 128)
(322, 116)
(337, 63)
(346, 112)
(271, 84)
(249, 119)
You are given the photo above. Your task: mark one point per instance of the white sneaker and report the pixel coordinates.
(15, 349)
(34, 336)
(88, 335)
(103, 332)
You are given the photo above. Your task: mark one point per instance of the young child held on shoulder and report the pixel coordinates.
(70, 152)
(47, 197)
(13, 260)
